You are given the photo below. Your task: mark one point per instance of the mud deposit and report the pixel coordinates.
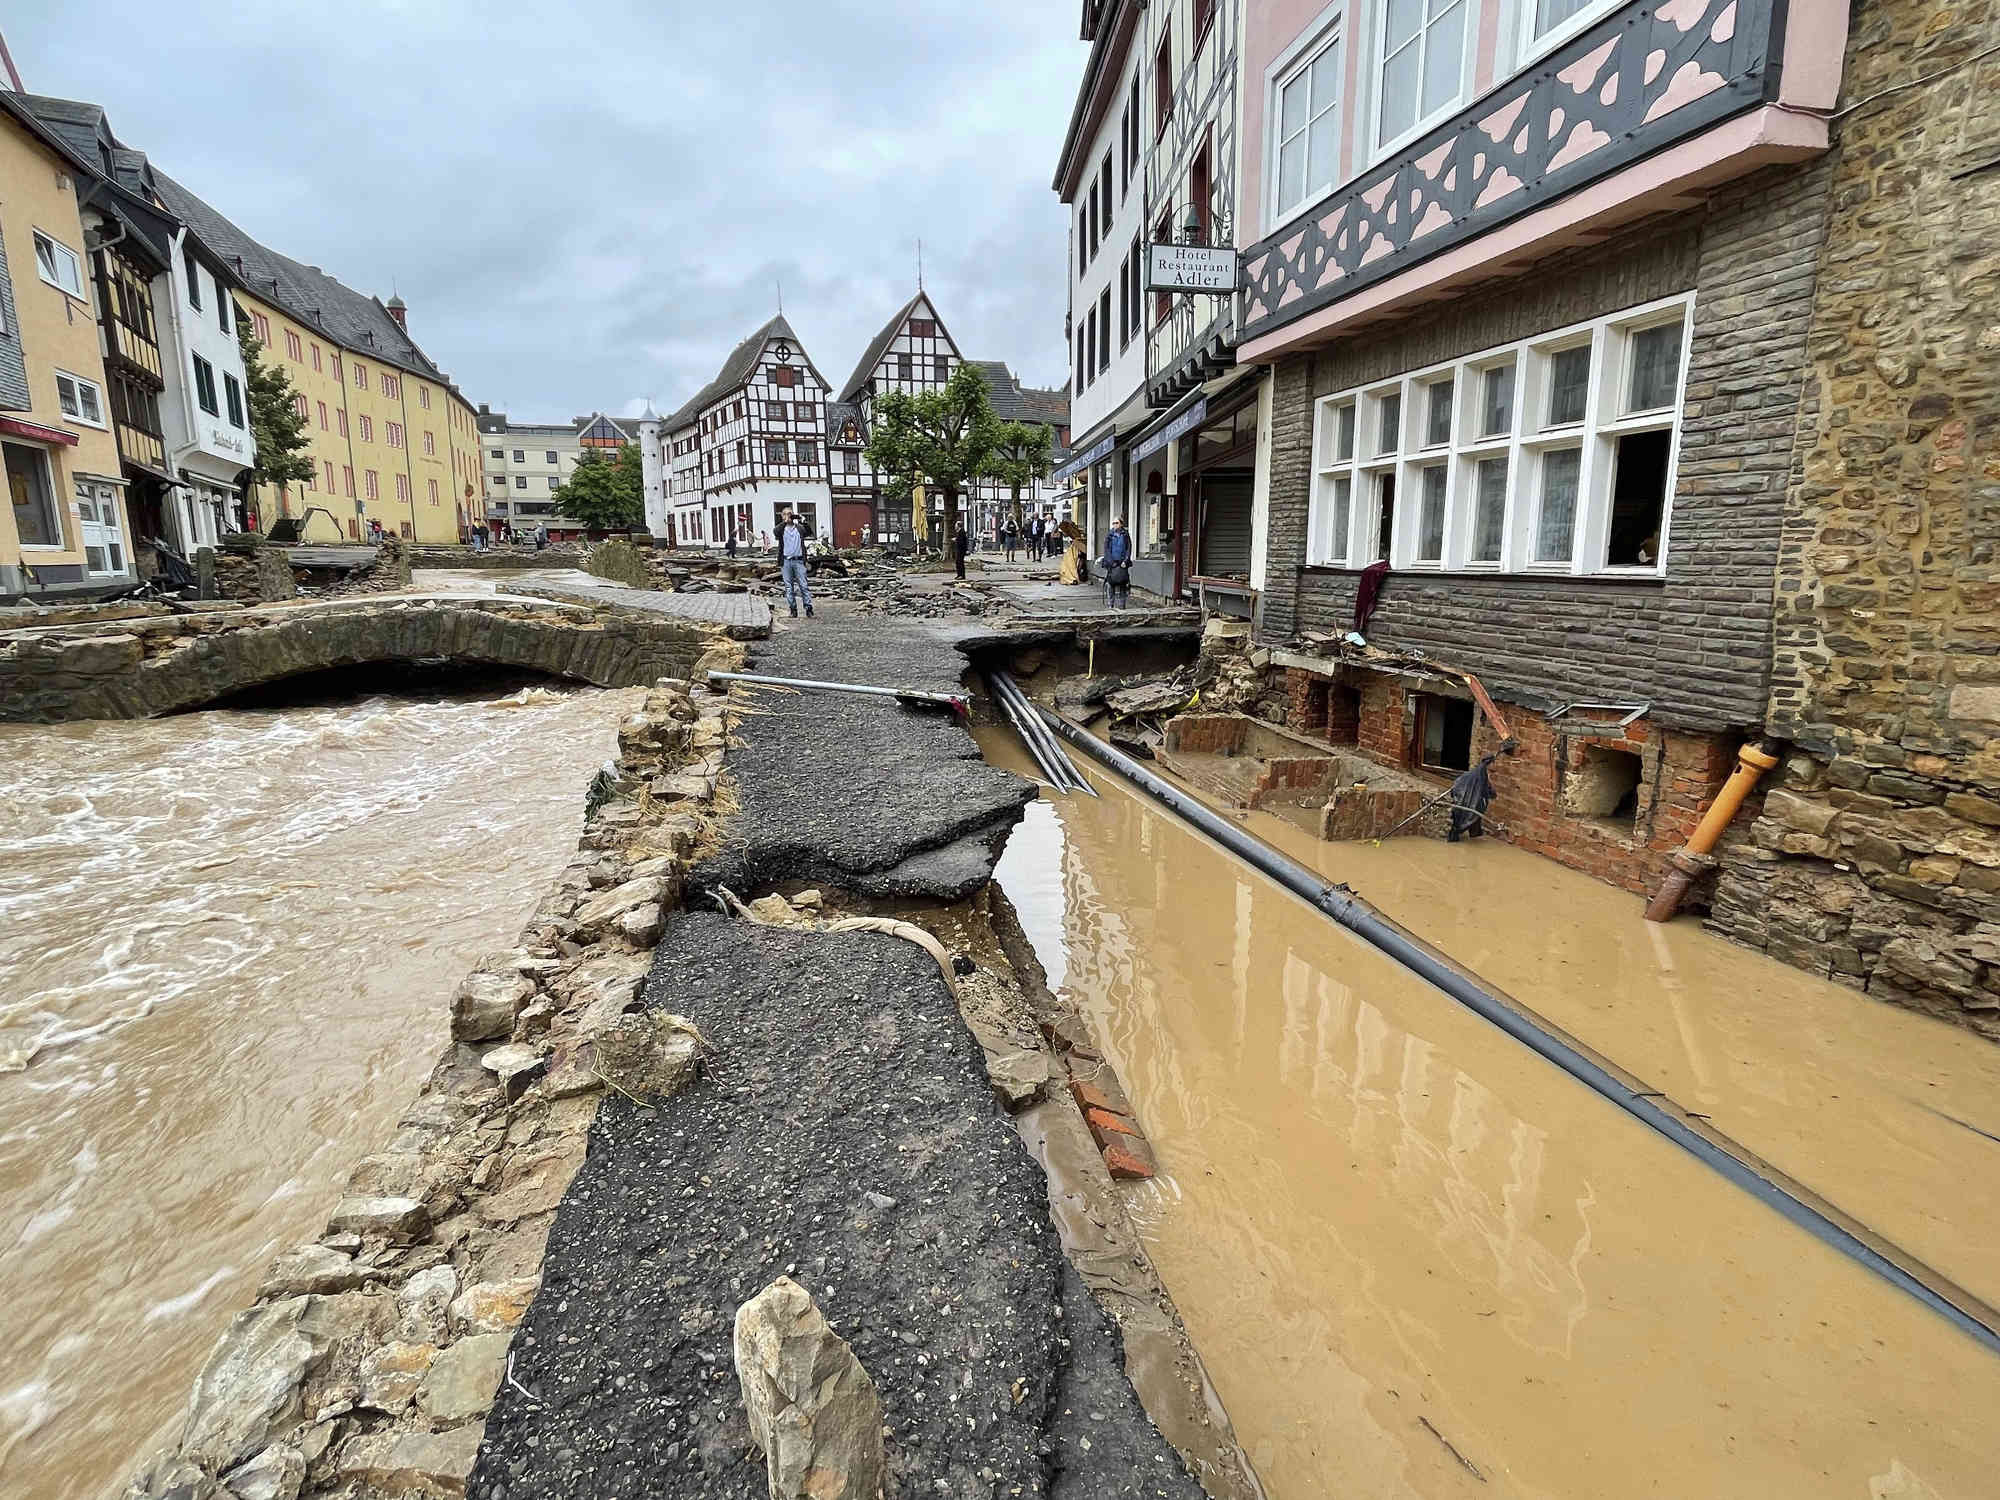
(229, 940)
(1418, 1261)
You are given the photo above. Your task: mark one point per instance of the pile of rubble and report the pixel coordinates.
(373, 1354)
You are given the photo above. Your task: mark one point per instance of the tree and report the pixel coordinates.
(276, 421)
(1021, 457)
(605, 495)
(943, 439)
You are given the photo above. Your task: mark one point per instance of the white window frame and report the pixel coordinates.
(74, 262)
(1378, 32)
(1529, 49)
(1528, 438)
(81, 383)
(1326, 34)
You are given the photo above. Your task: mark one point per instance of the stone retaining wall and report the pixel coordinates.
(374, 1352)
(140, 668)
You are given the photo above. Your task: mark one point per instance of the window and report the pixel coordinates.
(392, 386)
(204, 387)
(923, 328)
(360, 376)
(430, 444)
(341, 418)
(1163, 84)
(293, 348)
(261, 326)
(403, 488)
(903, 367)
(497, 452)
(394, 433)
(367, 428)
(1131, 134)
(1307, 140)
(554, 482)
(232, 390)
(193, 273)
(1421, 64)
(28, 485)
(774, 411)
(1104, 330)
(549, 455)
(347, 480)
(1547, 23)
(1444, 732)
(776, 451)
(221, 309)
(424, 397)
(81, 400)
(59, 267)
(850, 462)
(785, 376)
(520, 455)
(434, 491)
(329, 475)
(315, 358)
(1204, 12)
(520, 481)
(371, 484)
(942, 369)
(336, 364)
(1560, 458)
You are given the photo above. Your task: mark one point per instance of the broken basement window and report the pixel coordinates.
(1444, 733)
(1606, 786)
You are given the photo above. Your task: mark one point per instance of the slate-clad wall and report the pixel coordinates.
(13, 359)
(1695, 644)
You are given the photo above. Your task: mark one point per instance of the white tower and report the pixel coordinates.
(655, 474)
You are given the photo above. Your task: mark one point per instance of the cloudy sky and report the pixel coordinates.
(588, 211)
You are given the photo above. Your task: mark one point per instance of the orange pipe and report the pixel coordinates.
(1690, 861)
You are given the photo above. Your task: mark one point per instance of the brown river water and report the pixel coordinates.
(1420, 1261)
(229, 939)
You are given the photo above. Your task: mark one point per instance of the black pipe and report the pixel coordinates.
(1051, 753)
(1022, 727)
(1413, 953)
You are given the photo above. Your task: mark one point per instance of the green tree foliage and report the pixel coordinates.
(1021, 457)
(943, 438)
(274, 415)
(605, 495)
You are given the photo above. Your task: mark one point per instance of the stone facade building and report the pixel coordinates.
(1647, 375)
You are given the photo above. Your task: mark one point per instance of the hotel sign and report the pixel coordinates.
(1191, 268)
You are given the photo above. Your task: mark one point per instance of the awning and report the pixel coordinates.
(1179, 420)
(35, 432)
(1097, 452)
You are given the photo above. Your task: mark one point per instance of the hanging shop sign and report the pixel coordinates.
(1191, 268)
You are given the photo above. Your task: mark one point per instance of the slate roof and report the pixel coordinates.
(736, 370)
(838, 414)
(81, 130)
(876, 349)
(356, 322)
(1014, 402)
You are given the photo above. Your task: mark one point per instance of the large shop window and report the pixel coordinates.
(1554, 455)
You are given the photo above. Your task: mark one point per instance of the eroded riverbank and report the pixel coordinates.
(226, 936)
(1408, 1250)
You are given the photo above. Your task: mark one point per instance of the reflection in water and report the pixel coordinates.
(1408, 1249)
(228, 938)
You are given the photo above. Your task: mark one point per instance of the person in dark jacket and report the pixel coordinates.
(1117, 565)
(960, 544)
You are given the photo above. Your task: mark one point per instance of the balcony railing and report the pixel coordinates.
(1646, 76)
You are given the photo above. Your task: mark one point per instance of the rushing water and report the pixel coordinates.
(1419, 1261)
(228, 939)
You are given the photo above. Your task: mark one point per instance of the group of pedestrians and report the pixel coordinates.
(1039, 536)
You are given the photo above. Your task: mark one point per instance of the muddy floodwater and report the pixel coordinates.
(228, 940)
(1419, 1261)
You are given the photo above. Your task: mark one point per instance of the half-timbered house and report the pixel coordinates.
(749, 445)
(913, 352)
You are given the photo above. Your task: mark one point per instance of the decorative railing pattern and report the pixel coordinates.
(1646, 76)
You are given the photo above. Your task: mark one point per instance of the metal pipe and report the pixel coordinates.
(1027, 735)
(1405, 948)
(1034, 733)
(956, 702)
(1057, 753)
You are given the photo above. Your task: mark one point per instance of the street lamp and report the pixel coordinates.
(1191, 225)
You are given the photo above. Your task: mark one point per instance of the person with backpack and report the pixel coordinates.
(1117, 565)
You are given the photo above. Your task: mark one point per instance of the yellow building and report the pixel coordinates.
(392, 439)
(66, 528)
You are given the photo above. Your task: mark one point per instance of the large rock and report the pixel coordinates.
(413, 1463)
(391, 1375)
(278, 1473)
(401, 1219)
(494, 1306)
(486, 1004)
(248, 1392)
(651, 1055)
(423, 1305)
(602, 913)
(464, 1378)
(811, 1407)
(314, 1268)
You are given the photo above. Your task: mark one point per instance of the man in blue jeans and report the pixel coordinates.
(792, 549)
(1117, 565)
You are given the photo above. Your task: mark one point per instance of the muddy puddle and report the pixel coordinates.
(229, 938)
(1419, 1261)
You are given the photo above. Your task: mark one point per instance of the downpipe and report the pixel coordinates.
(1691, 861)
(1412, 953)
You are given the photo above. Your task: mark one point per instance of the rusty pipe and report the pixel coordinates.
(1688, 863)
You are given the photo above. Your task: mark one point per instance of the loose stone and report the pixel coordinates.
(812, 1409)
(463, 1379)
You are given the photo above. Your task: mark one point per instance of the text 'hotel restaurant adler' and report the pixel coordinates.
(1634, 358)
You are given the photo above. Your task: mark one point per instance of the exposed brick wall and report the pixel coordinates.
(1695, 644)
(1877, 860)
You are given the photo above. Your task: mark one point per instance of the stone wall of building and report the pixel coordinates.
(1877, 860)
(247, 573)
(1694, 644)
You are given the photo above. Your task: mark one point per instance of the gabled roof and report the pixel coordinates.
(357, 322)
(736, 370)
(878, 347)
(1013, 402)
(838, 415)
(601, 427)
(81, 132)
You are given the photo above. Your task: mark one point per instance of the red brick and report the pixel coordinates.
(1089, 1096)
(1104, 1125)
(1128, 1164)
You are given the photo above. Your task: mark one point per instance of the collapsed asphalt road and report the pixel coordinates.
(843, 1134)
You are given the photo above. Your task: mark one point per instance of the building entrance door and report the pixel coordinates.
(850, 518)
(1224, 550)
(103, 536)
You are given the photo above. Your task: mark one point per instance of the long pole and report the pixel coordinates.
(956, 702)
(1974, 1319)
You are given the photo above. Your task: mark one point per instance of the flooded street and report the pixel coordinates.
(1419, 1261)
(230, 939)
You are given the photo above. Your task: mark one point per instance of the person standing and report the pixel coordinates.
(960, 544)
(1010, 536)
(792, 552)
(1117, 564)
(731, 549)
